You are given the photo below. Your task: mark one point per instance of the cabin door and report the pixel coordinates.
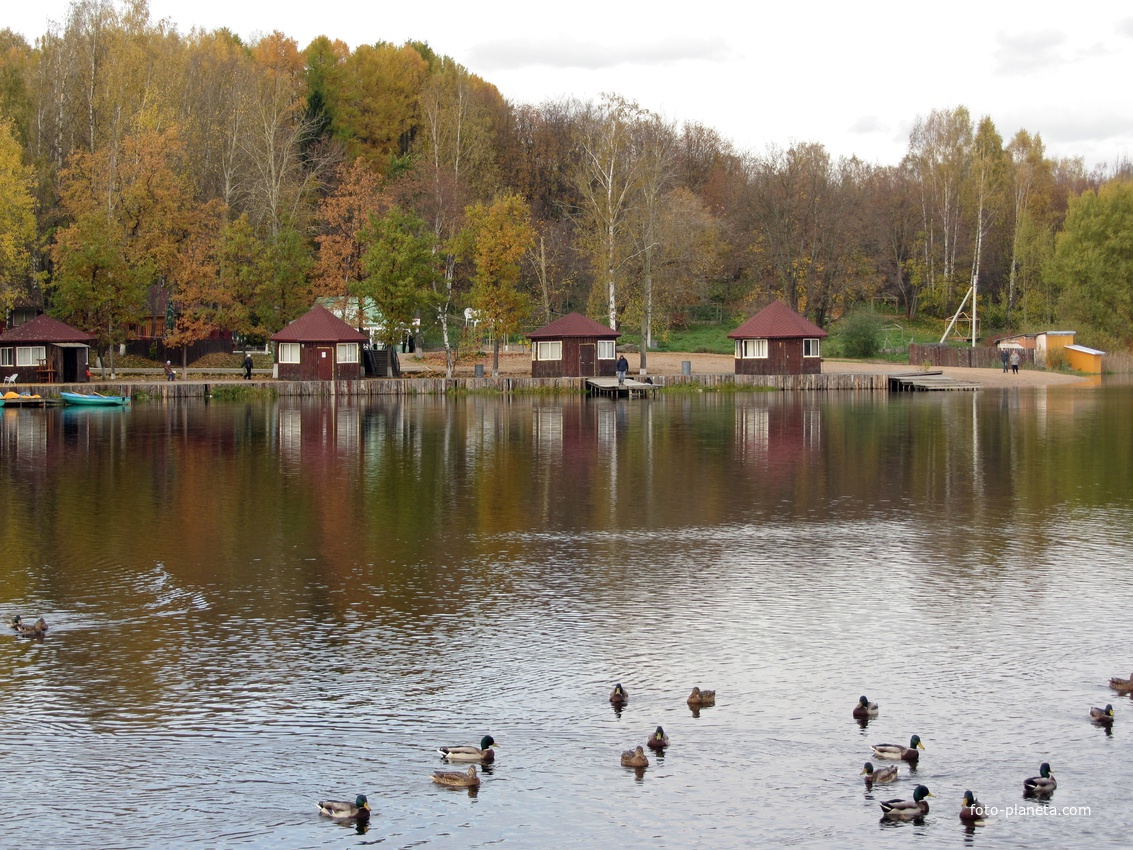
(587, 357)
(325, 360)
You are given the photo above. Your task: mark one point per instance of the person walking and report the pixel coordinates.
(1014, 362)
(1003, 355)
(621, 368)
(248, 366)
(169, 373)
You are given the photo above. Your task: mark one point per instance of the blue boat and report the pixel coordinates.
(94, 399)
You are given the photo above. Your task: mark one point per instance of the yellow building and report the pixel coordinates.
(1083, 359)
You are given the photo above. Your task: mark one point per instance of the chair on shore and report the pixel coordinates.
(11, 379)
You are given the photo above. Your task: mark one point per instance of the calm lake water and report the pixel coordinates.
(257, 606)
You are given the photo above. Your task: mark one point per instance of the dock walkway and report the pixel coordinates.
(629, 388)
(933, 380)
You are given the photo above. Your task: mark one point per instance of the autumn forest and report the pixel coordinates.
(249, 179)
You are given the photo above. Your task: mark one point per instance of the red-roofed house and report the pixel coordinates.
(573, 347)
(778, 341)
(43, 351)
(318, 346)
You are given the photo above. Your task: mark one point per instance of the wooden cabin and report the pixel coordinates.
(44, 351)
(318, 346)
(573, 347)
(778, 341)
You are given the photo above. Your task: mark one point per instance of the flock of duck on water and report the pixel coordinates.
(971, 810)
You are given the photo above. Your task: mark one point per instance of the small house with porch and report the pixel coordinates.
(318, 346)
(573, 346)
(778, 341)
(44, 351)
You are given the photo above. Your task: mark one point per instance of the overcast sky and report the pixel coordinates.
(851, 77)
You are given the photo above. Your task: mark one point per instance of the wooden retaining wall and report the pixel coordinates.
(166, 390)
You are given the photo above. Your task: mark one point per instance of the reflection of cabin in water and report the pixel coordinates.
(318, 346)
(43, 351)
(778, 341)
(573, 347)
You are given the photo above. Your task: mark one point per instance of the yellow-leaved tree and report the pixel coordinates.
(17, 220)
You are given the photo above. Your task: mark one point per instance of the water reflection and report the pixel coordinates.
(258, 602)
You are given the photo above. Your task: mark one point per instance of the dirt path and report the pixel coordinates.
(669, 363)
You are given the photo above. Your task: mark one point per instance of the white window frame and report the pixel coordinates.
(549, 349)
(811, 347)
(751, 349)
(607, 349)
(6, 356)
(30, 355)
(347, 352)
(289, 352)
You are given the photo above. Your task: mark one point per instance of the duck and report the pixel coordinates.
(39, 627)
(907, 809)
(865, 708)
(658, 740)
(618, 695)
(701, 698)
(635, 758)
(456, 779)
(972, 810)
(885, 774)
(1123, 685)
(1042, 785)
(896, 751)
(1102, 715)
(484, 754)
(341, 809)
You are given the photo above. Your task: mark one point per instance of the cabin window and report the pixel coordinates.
(289, 352)
(550, 350)
(810, 348)
(5, 357)
(606, 350)
(348, 352)
(30, 355)
(751, 349)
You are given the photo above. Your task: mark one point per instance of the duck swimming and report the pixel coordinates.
(907, 809)
(1042, 785)
(635, 758)
(658, 740)
(885, 774)
(618, 695)
(972, 810)
(455, 779)
(1102, 715)
(340, 809)
(865, 708)
(484, 754)
(701, 699)
(896, 751)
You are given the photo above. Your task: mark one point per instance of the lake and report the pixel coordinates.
(255, 606)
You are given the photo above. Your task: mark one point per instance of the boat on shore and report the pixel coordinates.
(94, 399)
(13, 399)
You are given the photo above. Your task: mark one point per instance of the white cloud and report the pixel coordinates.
(1024, 53)
(514, 53)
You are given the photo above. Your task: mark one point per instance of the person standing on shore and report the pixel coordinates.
(621, 368)
(248, 367)
(1003, 355)
(1014, 362)
(169, 373)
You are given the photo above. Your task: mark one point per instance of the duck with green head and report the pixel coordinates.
(658, 740)
(881, 775)
(38, 628)
(913, 809)
(618, 695)
(1102, 715)
(1042, 785)
(972, 810)
(455, 779)
(896, 751)
(359, 810)
(865, 709)
(483, 754)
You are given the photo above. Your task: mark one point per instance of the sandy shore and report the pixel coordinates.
(669, 363)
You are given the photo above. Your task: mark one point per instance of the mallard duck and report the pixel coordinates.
(896, 751)
(1102, 715)
(341, 809)
(865, 708)
(885, 774)
(483, 754)
(658, 740)
(618, 695)
(700, 698)
(1042, 785)
(39, 627)
(972, 809)
(456, 779)
(907, 809)
(1123, 685)
(635, 758)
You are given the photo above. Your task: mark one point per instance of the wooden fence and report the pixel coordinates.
(981, 357)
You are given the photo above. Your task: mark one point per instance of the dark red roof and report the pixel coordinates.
(777, 321)
(574, 324)
(45, 329)
(319, 325)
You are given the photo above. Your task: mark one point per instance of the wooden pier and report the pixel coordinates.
(930, 381)
(629, 388)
